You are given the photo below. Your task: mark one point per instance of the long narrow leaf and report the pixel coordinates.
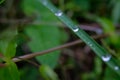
(100, 51)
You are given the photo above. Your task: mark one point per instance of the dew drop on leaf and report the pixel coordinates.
(116, 68)
(59, 13)
(106, 58)
(90, 44)
(75, 29)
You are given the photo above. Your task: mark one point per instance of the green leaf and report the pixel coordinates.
(99, 50)
(83, 4)
(7, 43)
(116, 12)
(29, 73)
(109, 28)
(1, 1)
(10, 72)
(107, 25)
(43, 38)
(42, 14)
(98, 66)
(110, 75)
(11, 49)
(47, 73)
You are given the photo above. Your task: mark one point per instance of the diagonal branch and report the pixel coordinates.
(28, 56)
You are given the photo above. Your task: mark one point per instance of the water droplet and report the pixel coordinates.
(75, 29)
(90, 44)
(106, 58)
(116, 67)
(59, 13)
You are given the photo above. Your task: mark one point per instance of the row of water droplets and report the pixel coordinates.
(105, 58)
(60, 13)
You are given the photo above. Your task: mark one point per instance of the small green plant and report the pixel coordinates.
(32, 29)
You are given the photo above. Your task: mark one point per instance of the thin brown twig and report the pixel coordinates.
(28, 56)
(14, 21)
(29, 61)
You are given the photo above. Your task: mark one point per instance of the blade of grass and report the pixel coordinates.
(100, 51)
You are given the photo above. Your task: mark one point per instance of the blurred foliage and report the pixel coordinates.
(8, 43)
(1, 1)
(7, 50)
(29, 73)
(9, 72)
(41, 41)
(109, 28)
(116, 12)
(47, 73)
(41, 36)
(43, 31)
(110, 75)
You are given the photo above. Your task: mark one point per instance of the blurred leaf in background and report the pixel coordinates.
(1, 1)
(116, 12)
(84, 5)
(45, 31)
(9, 72)
(110, 29)
(96, 73)
(43, 36)
(110, 75)
(47, 73)
(8, 43)
(8, 49)
(29, 73)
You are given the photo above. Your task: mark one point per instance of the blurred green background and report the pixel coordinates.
(38, 29)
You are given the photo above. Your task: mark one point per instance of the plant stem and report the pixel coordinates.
(28, 56)
(99, 50)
